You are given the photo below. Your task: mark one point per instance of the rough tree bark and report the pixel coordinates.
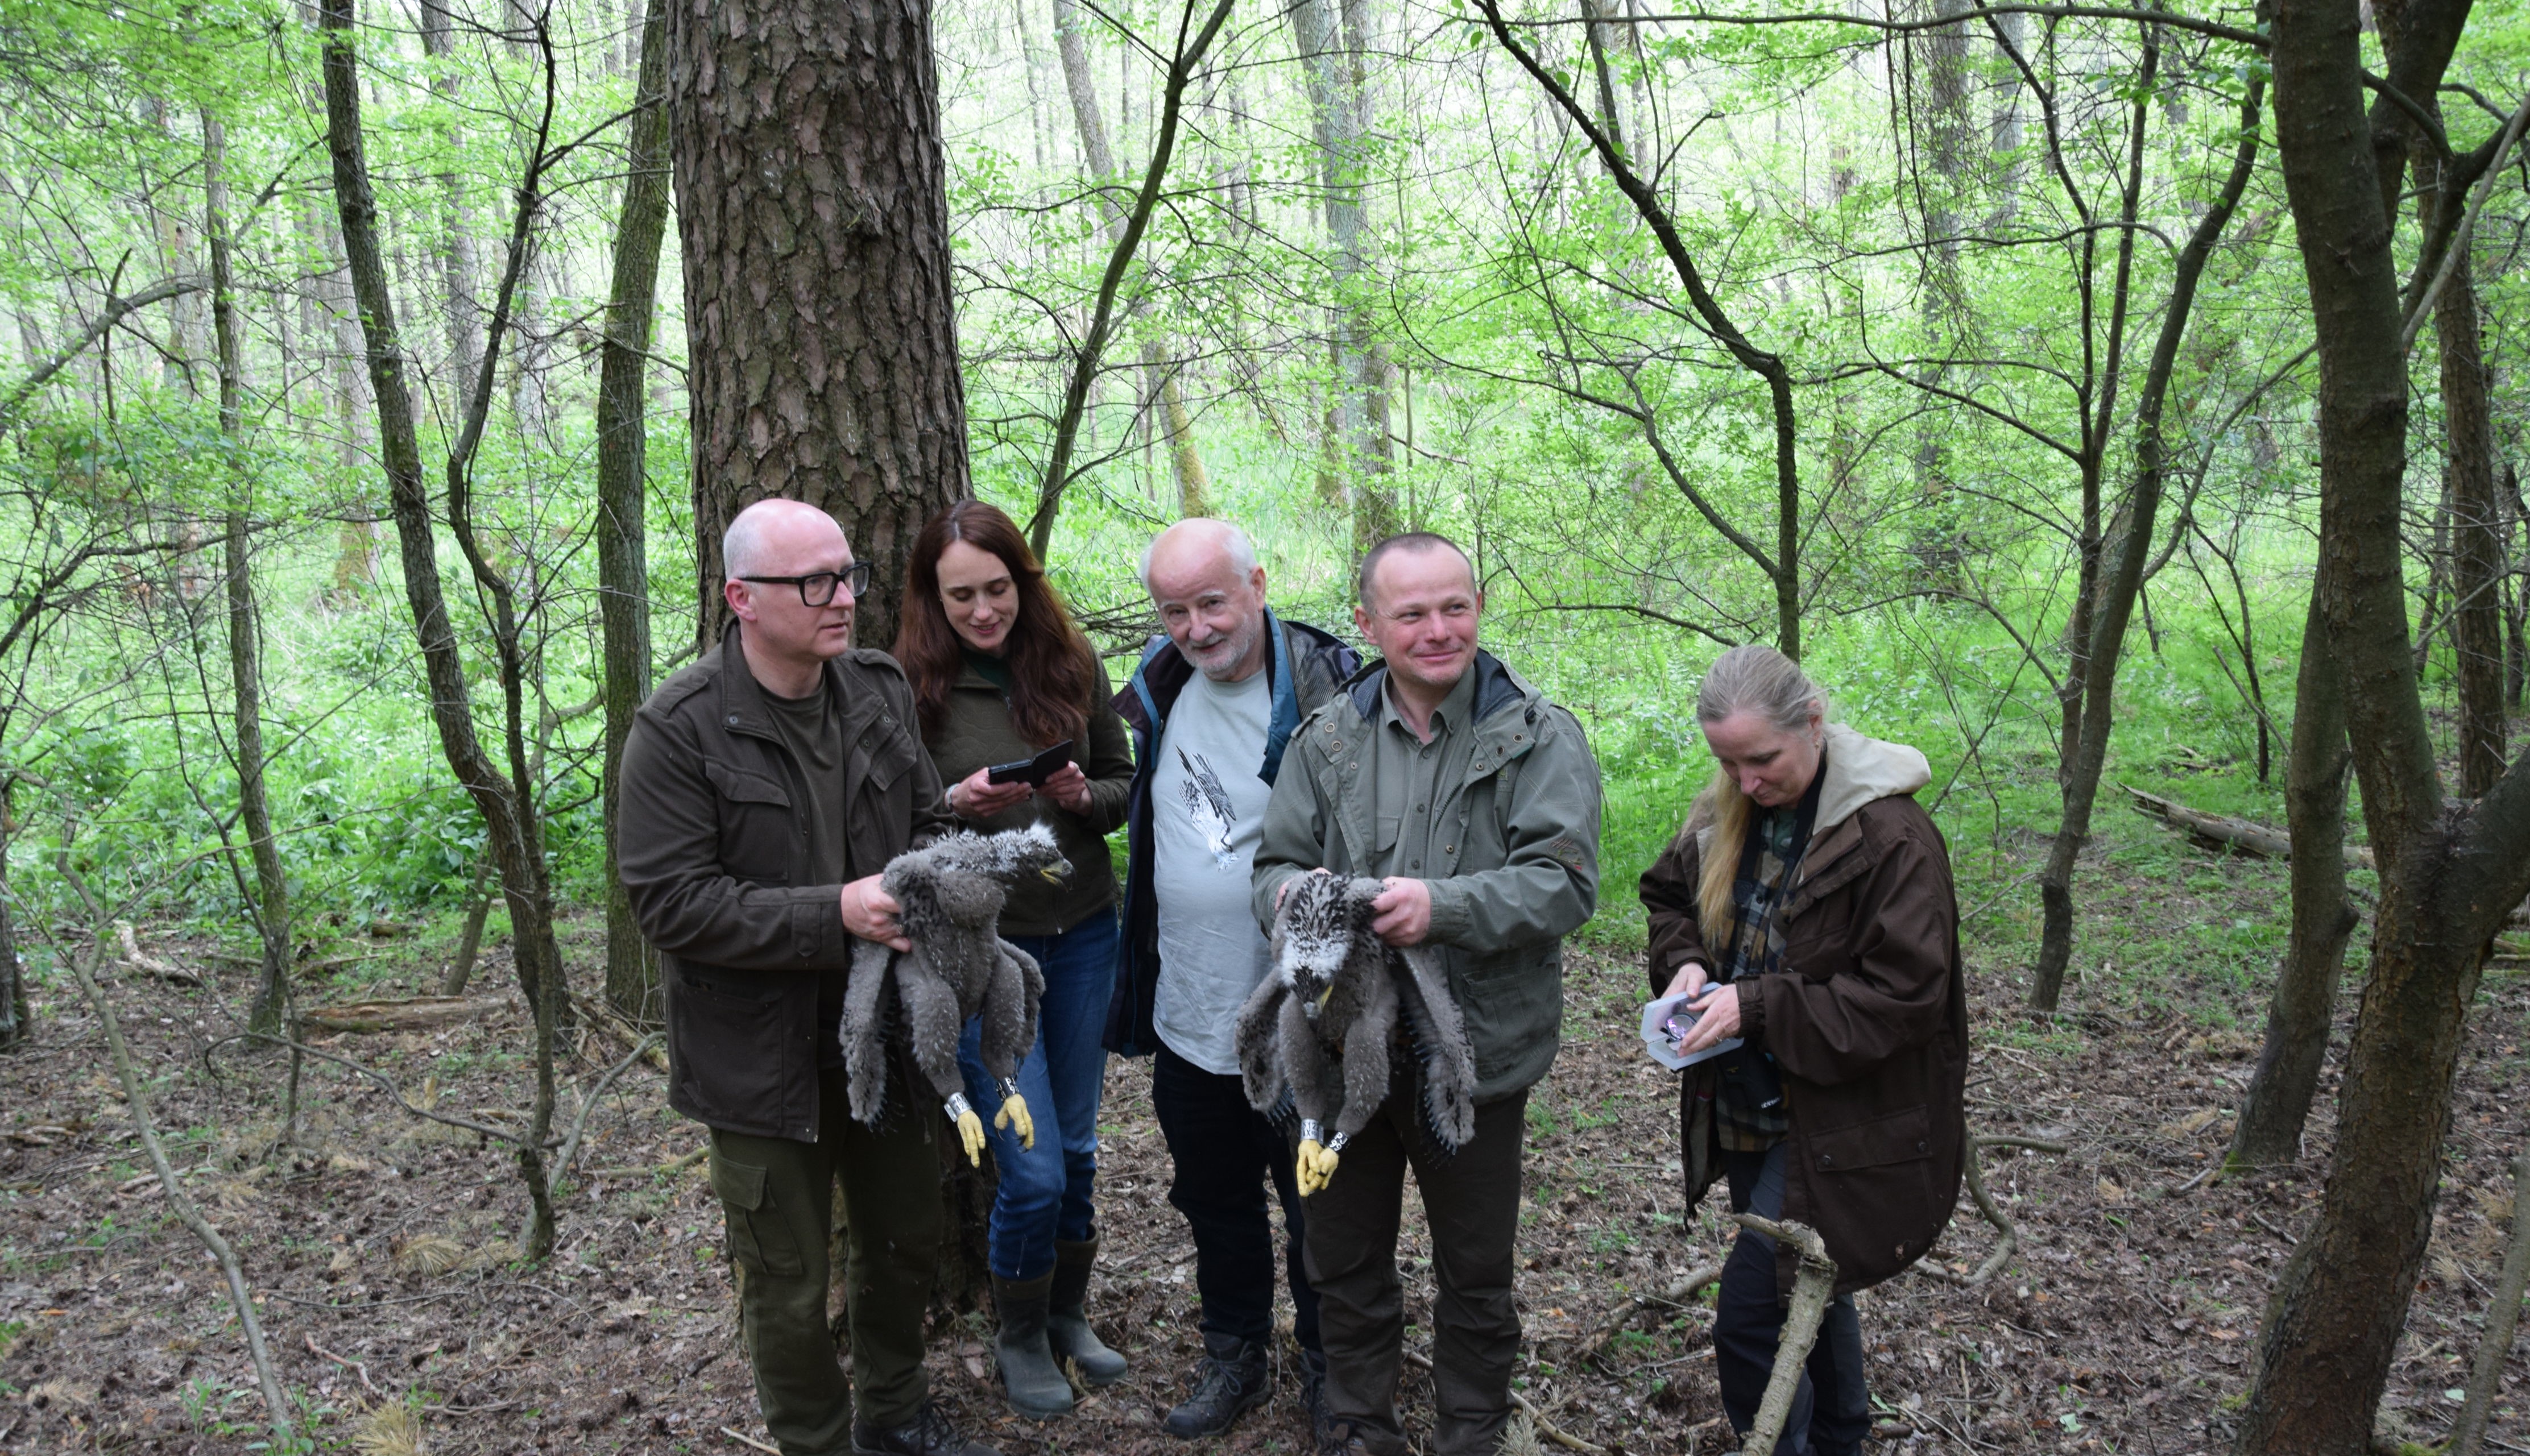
(271, 902)
(2450, 871)
(457, 262)
(623, 561)
(812, 205)
(505, 799)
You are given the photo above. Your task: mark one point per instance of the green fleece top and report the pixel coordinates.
(975, 731)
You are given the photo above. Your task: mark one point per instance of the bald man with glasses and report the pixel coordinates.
(764, 789)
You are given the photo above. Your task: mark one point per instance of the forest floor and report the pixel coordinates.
(383, 1249)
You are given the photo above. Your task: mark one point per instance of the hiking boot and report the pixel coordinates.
(1067, 1325)
(929, 1434)
(1313, 1388)
(1232, 1381)
(1029, 1376)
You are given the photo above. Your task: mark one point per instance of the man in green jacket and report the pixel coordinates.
(764, 789)
(1476, 800)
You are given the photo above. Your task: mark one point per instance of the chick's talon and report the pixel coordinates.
(1014, 1112)
(1317, 1166)
(970, 1132)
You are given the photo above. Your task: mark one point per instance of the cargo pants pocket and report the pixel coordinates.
(758, 1238)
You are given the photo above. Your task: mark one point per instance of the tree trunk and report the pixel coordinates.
(2477, 526)
(458, 268)
(2278, 1102)
(2102, 605)
(1125, 229)
(1340, 116)
(2516, 613)
(814, 210)
(623, 561)
(16, 1017)
(245, 629)
(507, 802)
(2450, 873)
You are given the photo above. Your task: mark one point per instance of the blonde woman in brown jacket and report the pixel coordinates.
(1807, 905)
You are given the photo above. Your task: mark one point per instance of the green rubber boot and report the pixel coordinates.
(1033, 1381)
(1066, 1326)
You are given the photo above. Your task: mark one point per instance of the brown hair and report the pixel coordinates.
(1053, 670)
(1758, 678)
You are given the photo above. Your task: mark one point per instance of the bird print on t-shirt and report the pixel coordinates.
(1208, 809)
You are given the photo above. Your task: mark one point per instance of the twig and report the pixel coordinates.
(676, 1165)
(2015, 1140)
(1813, 1285)
(392, 1087)
(612, 1025)
(1677, 1293)
(2458, 247)
(1986, 1204)
(135, 1100)
(1545, 1427)
(749, 1441)
(2502, 1318)
(354, 1366)
(579, 1122)
(2260, 1219)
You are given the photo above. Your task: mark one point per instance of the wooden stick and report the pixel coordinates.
(1677, 1293)
(1813, 1285)
(1545, 1427)
(749, 1441)
(2502, 1318)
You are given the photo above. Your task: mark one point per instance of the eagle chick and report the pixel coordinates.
(949, 896)
(1335, 991)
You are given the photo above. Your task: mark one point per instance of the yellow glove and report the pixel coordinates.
(1317, 1166)
(1015, 1112)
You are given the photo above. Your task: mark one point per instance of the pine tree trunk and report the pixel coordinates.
(812, 206)
(623, 563)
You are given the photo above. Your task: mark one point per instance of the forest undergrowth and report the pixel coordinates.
(382, 1248)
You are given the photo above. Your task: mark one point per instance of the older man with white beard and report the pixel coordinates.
(1211, 707)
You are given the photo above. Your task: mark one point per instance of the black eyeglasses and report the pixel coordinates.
(817, 589)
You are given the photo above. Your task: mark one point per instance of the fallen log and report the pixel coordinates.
(150, 965)
(2215, 831)
(410, 1013)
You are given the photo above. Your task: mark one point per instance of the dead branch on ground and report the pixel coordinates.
(1813, 1285)
(1625, 1314)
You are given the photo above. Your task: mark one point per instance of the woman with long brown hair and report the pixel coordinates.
(1001, 673)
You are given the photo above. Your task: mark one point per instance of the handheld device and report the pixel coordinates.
(1666, 1023)
(1031, 771)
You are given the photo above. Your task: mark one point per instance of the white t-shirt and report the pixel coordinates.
(1207, 818)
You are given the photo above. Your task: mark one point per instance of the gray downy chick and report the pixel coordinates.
(950, 893)
(1317, 1029)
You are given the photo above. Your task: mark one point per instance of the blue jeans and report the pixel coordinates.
(1045, 1191)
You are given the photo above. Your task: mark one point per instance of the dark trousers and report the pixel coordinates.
(1471, 1201)
(1225, 1152)
(1748, 1322)
(779, 1197)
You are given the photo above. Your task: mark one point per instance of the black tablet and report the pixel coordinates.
(1031, 771)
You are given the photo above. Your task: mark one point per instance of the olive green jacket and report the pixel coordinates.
(977, 733)
(1520, 874)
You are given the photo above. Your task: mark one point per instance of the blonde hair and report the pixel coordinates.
(1744, 680)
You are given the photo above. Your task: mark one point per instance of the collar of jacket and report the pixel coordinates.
(741, 698)
(1502, 734)
(1164, 672)
(1497, 687)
